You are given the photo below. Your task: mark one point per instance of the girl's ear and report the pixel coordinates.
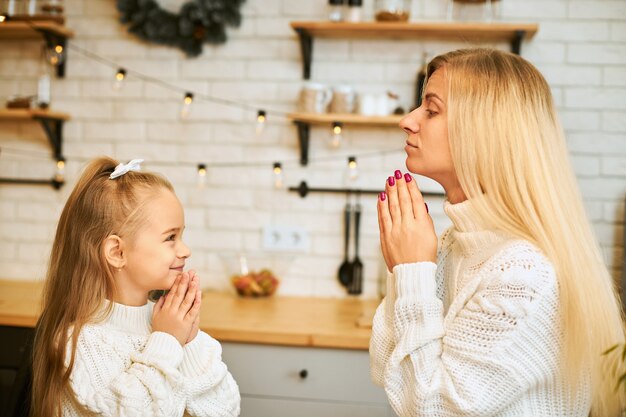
(114, 251)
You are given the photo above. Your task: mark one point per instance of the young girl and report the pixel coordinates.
(101, 348)
(511, 315)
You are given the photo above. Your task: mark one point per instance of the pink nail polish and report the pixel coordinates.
(391, 181)
(383, 196)
(426, 207)
(408, 177)
(398, 174)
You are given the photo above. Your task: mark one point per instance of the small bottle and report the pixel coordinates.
(335, 13)
(355, 11)
(43, 83)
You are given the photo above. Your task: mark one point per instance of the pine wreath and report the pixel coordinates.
(197, 22)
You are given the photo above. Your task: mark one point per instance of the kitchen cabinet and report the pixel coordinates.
(475, 32)
(277, 381)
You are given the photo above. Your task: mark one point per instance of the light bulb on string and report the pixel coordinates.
(201, 175)
(55, 54)
(278, 175)
(336, 138)
(353, 169)
(260, 121)
(59, 173)
(120, 76)
(186, 109)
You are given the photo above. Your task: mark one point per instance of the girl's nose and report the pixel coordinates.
(184, 251)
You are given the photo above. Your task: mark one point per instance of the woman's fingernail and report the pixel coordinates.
(391, 181)
(383, 196)
(398, 174)
(426, 207)
(408, 177)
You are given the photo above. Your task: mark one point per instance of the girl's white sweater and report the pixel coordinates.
(123, 368)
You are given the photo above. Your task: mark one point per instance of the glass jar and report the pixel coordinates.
(473, 10)
(336, 10)
(392, 10)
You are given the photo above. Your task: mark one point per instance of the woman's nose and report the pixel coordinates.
(410, 122)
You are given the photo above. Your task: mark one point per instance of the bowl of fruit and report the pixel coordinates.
(253, 276)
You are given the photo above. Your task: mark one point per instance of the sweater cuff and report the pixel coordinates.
(163, 348)
(197, 353)
(416, 280)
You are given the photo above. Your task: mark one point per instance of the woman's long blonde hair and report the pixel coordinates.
(79, 278)
(508, 145)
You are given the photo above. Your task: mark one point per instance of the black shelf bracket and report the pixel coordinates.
(303, 190)
(516, 42)
(54, 132)
(54, 183)
(303, 139)
(306, 47)
(52, 40)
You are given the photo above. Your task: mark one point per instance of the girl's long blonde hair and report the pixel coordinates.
(79, 278)
(508, 145)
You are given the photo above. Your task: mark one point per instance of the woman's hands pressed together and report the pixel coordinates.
(178, 312)
(407, 234)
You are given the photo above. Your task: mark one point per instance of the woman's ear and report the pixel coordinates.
(114, 251)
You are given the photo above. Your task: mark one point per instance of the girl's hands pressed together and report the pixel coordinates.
(407, 234)
(177, 312)
(197, 302)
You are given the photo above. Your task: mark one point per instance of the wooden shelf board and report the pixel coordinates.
(26, 30)
(346, 119)
(30, 114)
(498, 31)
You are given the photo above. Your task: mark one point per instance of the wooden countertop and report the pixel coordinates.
(293, 321)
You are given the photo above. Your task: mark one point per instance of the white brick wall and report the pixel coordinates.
(580, 48)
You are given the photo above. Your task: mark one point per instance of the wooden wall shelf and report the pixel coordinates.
(346, 119)
(52, 124)
(303, 122)
(513, 33)
(53, 32)
(51, 121)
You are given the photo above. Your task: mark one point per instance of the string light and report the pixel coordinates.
(56, 55)
(337, 137)
(186, 109)
(201, 175)
(120, 76)
(353, 171)
(59, 174)
(278, 175)
(260, 121)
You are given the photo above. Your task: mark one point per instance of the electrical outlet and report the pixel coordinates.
(285, 239)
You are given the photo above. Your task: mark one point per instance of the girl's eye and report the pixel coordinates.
(171, 237)
(430, 113)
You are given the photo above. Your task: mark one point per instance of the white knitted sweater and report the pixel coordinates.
(478, 334)
(123, 368)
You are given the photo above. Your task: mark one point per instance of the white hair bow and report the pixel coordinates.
(122, 169)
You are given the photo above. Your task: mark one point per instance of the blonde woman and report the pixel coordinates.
(509, 313)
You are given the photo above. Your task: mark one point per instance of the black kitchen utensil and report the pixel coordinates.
(345, 270)
(356, 287)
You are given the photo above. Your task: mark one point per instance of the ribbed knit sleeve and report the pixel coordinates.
(210, 389)
(146, 386)
(498, 341)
